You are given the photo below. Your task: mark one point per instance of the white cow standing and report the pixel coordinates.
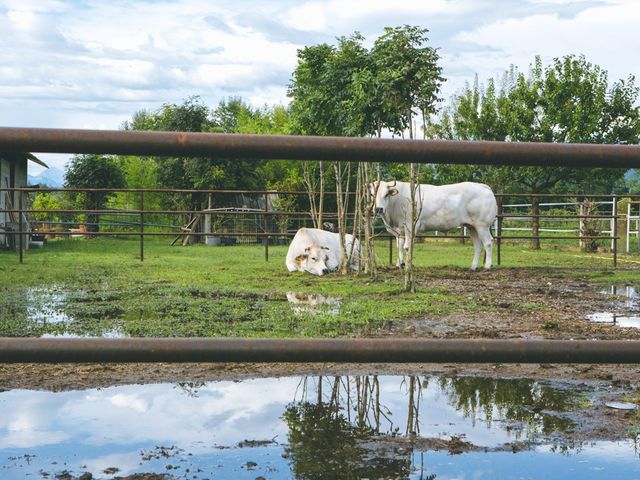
(444, 207)
(318, 251)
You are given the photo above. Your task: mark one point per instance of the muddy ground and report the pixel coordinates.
(515, 303)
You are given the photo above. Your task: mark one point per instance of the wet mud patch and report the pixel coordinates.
(522, 303)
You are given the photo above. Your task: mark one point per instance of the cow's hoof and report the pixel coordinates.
(402, 265)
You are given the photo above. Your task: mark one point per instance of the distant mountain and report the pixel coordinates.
(51, 177)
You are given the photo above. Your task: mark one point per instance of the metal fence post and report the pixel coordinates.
(266, 227)
(142, 226)
(614, 231)
(20, 228)
(581, 224)
(390, 250)
(499, 229)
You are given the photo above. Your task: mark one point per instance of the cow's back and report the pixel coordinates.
(448, 206)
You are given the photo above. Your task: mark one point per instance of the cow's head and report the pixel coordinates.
(383, 192)
(314, 260)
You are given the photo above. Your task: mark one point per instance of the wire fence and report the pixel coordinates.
(29, 217)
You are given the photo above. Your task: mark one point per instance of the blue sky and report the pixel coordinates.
(92, 64)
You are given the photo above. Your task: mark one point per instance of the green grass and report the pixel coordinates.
(232, 291)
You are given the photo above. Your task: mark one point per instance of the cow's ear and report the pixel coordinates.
(301, 258)
(393, 192)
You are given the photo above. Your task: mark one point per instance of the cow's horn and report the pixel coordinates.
(394, 183)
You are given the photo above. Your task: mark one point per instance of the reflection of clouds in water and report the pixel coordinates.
(130, 401)
(603, 450)
(614, 319)
(95, 429)
(127, 463)
(46, 305)
(30, 438)
(28, 420)
(226, 413)
(221, 413)
(313, 303)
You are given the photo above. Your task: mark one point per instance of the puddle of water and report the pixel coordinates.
(626, 318)
(46, 306)
(617, 320)
(321, 427)
(624, 290)
(304, 303)
(105, 334)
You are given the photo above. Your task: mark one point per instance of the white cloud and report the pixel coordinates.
(320, 16)
(605, 34)
(92, 64)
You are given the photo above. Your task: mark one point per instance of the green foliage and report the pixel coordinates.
(349, 90)
(93, 171)
(48, 201)
(568, 101)
(230, 116)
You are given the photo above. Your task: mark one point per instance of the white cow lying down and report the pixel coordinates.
(444, 207)
(318, 251)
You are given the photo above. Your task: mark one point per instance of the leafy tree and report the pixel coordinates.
(568, 101)
(199, 172)
(349, 90)
(408, 74)
(93, 171)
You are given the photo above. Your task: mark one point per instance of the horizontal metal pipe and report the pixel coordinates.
(191, 144)
(175, 350)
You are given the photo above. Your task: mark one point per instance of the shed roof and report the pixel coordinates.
(34, 159)
(27, 155)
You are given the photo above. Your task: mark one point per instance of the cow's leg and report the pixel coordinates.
(477, 247)
(400, 245)
(487, 242)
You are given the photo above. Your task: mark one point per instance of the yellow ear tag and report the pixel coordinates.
(393, 192)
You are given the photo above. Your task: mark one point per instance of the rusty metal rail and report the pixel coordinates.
(388, 350)
(45, 140)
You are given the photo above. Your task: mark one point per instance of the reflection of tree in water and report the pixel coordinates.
(334, 437)
(524, 401)
(338, 427)
(323, 444)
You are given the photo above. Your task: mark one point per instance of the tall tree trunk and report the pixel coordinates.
(410, 232)
(414, 186)
(321, 201)
(368, 219)
(342, 201)
(314, 184)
